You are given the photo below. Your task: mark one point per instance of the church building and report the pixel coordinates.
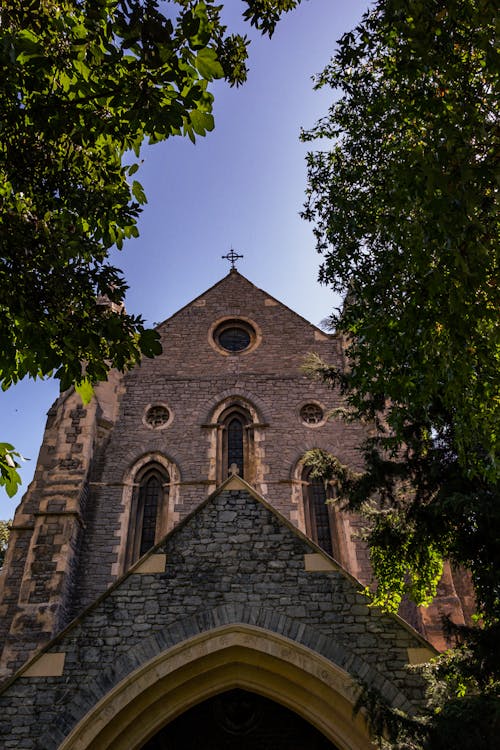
(176, 578)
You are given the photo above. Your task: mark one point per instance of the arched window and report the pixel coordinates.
(319, 515)
(149, 499)
(236, 443)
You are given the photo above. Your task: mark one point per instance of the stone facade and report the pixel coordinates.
(234, 561)
(231, 365)
(69, 537)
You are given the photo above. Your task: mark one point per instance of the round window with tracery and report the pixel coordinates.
(234, 339)
(157, 416)
(311, 414)
(234, 336)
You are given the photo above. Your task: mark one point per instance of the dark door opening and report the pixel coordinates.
(239, 720)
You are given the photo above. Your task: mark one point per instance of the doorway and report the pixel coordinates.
(238, 720)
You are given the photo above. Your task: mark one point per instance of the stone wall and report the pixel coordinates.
(71, 531)
(232, 560)
(192, 378)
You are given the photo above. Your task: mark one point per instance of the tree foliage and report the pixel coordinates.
(404, 212)
(83, 84)
(462, 707)
(404, 202)
(325, 466)
(9, 464)
(4, 539)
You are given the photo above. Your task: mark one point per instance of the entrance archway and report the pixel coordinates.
(239, 720)
(197, 669)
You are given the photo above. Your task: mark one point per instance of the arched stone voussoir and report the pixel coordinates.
(222, 399)
(215, 650)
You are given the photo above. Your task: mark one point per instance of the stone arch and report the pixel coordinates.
(249, 400)
(238, 656)
(135, 463)
(205, 654)
(252, 418)
(297, 515)
(168, 518)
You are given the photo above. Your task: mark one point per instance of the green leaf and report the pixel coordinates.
(12, 482)
(82, 68)
(28, 44)
(201, 121)
(150, 343)
(138, 192)
(208, 64)
(85, 390)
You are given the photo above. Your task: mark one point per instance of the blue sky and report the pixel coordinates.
(242, 186)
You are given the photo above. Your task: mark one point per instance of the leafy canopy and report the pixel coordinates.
(404, 203)
(83, 84)
(404, 206)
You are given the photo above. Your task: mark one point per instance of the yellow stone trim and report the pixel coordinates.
(47, 665)
(320, 336)
(234, 484)
(152, 564)
(317, 563)
(420, 655)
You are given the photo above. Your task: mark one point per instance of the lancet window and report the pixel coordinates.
(235, 430)
(235, 443)
(319, 514)
(149, 499)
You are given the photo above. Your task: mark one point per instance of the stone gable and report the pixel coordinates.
(71, 533)
(233, 562)
(285, 335)
(74, 533)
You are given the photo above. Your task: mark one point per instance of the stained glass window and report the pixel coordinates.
(320, 515)
(234, 335)
(149, 503)
(311, 414)
(149, 499)
(235, 451)
(234, 339)
(156, 416)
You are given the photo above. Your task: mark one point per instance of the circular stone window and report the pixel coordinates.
(234, 335)
(312, 414)
(157, 416)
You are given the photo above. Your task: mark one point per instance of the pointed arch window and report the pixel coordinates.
(236, 443)
(149, 499)
(319, 514)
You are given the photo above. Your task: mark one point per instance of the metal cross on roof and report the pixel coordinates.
(232, 257)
